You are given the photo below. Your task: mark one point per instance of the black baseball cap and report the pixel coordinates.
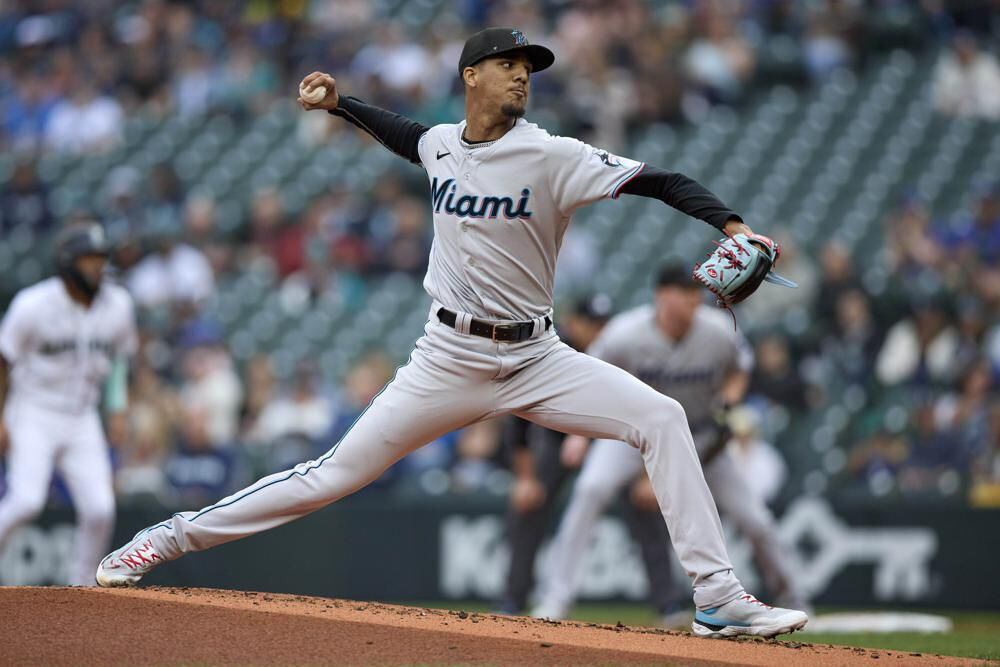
(493, 42)
(597, 306)
(676, 275)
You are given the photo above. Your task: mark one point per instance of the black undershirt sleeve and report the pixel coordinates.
(397, 133)
(683, 193)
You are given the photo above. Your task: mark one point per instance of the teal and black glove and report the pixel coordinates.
(738, 266)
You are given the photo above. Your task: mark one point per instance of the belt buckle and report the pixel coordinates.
(500, 327)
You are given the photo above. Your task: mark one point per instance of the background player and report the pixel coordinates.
(503, 192)
(689, 351)
(59, 341)
(539, 475)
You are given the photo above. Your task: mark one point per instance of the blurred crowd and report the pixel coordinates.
(914, 363)
(901, 366)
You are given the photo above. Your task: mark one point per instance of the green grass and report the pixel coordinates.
(976, 634)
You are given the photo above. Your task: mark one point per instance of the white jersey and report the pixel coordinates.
(500, 211)
(691, 370)
(62, 351)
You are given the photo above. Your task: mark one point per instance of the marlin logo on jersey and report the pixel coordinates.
(473, 206)
(607, 158)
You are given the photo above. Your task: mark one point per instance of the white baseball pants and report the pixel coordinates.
(452, 380)
(41, 441)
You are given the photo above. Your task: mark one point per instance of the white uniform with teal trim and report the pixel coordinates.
(500, 211)
(61, 352)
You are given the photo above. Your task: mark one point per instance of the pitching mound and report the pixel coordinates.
(72, 626)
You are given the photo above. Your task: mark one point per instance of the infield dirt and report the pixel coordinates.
(169, 626)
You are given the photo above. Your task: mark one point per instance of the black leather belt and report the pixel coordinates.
(508, 332)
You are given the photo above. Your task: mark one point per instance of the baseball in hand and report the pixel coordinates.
(312, 95)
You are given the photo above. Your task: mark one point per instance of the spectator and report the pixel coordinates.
(409, 245)
(911, 248)
(936, 460)
(919, 349)
(964, 414)
(876, 459)
(86, 122)
(24, 202)
(853, 343)
(719, 61)
(164, 193)
(362, 383)
(26, 112)
(124, 213)
(273, 234)
(394, 61)
(837, 275)
(831, 35)
(967, 80)
(976, 239)
(153, 409)
(260, 391)
(143, 81)
(248, 79)
(140, 476)
(579, 259)
(775, 376)
(477, 448)
(194, 86)
(301, 411)
(209, 383)
(765, 470)
(173, 273)
(973, 319)
(199, 471)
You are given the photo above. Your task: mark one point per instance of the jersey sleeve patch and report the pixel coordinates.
(581, 174)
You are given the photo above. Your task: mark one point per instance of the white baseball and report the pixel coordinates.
(312, 95)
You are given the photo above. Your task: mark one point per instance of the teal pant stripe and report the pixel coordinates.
(319, 462)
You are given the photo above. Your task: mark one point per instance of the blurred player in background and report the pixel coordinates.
(59, 341)
(539, 475)
(690, 351)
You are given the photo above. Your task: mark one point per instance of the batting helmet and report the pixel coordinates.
(73, 242)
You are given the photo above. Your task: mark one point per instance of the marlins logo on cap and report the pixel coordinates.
(493, 42)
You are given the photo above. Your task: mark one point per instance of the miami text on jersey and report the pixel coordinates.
(474, 206)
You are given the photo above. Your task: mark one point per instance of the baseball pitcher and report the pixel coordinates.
(502, 193)
(60, 340)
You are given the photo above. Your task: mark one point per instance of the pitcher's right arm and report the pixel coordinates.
(398, 133)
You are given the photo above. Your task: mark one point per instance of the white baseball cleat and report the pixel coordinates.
(126, 566)
(746, 615)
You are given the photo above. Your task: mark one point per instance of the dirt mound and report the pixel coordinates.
(71, 626)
